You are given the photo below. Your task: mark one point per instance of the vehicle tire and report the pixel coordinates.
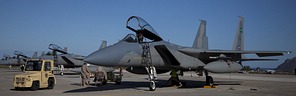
(117, 82)
(152, 86)
(17, 88)
(35, 86)
(50, 83)
(104, 82)
(209, 81)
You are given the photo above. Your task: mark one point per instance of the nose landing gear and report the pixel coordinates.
(146, 59)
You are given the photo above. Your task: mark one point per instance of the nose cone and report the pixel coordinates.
(92, 58)
(102, 58)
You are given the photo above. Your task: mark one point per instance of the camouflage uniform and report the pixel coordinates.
(85, 75)
(100, 75)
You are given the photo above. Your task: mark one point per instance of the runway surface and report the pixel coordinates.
(137, 85)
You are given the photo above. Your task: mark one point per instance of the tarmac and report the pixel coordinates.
(234, 84)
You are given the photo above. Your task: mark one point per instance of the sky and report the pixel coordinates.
(81, 25)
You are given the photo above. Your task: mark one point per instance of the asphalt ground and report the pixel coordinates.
(137, 85)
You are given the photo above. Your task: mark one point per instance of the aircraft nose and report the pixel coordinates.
(92, 58)
(101, 58)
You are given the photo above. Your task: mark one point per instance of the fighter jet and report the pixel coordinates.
(147, 53)
(18, 59)
(65, 59)
(68, 60)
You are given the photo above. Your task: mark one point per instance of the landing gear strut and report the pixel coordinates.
(152, 76)
(61, 68)
(209, 79)
(146, 59)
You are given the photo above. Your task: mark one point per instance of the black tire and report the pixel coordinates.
(50, 83)
(35, 86)
(295, 71)
(152, 86)
(117, 82)
(104, 82)
(17, 88)
(209, 81)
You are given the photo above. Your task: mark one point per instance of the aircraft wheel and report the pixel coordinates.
(209, 81)
(152, 86)
(35, 86)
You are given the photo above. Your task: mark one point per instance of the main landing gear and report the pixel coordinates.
(209, 79)
(61, 69)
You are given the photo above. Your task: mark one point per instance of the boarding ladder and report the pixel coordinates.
(147, 60)
(146, 54)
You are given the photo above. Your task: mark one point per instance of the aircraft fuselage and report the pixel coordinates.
(128, 54)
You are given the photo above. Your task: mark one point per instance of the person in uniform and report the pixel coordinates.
(9, 67)
(174, 80)
(85, 75)
(100, 75)
(140, 37)
(23, 68)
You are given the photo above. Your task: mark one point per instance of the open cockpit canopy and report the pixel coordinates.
(140, 26)
(131, 38)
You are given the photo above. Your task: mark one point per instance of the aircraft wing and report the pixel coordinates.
(198, 53)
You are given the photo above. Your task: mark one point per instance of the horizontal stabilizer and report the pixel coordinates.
(265, 54)
(166, 55)
(258, 59)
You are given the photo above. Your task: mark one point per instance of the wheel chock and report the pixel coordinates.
(210, 86)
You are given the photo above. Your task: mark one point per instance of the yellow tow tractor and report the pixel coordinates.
(38, 74)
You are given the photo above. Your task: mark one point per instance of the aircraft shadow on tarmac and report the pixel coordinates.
(13, 71)
(123, 85)
(144, 85)
(67, 73)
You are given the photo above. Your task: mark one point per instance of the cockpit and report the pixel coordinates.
(142, 28)
(131, 38)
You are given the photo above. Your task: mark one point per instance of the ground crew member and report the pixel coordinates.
(22, 68)
(140, 37)
(174, 80)
(9, 67)
(62, 70)
(100, 75)
(85, 75)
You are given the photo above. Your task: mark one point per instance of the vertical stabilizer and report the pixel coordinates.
(201, 40)
(35, 55)
(238, 44)
(43, 53)
(103, 45)
(65, 49)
